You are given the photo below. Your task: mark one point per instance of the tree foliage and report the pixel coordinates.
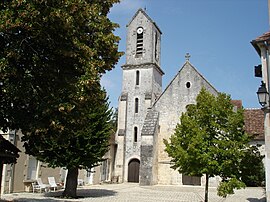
(53, 54)
(210, 140)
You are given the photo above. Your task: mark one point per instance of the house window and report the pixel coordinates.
(32, 168)
(136, 105)
(135, 134)
(137, 77)
(139, 44)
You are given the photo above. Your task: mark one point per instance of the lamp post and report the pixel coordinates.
(263, 95)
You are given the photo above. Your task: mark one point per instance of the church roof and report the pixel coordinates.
(150, 122)
(145, 14)
(187, 63)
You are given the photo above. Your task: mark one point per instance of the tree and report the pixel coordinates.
(210, 140)
(254, 175)
(52, 57)
(114, 120)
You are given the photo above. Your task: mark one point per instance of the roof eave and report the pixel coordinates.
(257, 48)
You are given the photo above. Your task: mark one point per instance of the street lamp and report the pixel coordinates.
(262, 95)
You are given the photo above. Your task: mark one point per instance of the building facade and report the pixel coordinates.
(146, 114)
(20, 176)
(142, 85)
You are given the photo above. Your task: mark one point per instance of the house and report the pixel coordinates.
(20, 176)
(8, 155)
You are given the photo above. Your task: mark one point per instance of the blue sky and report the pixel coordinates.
(216, 33)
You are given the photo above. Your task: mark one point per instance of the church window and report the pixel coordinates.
(156, 40)
(136, 105)
(137, 77)
(139, 44)
(188, 84)
(135, 134)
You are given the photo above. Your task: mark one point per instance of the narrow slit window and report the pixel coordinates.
(135, 134)
(156, 40)
(137, 77)
(136, 105)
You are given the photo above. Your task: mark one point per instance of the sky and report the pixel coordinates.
(216, 33)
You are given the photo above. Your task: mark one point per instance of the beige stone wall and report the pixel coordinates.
(146, 91)
(119, 138)
(170, 105)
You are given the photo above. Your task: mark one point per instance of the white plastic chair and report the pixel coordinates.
(80, 182)
(40, 185)
(52, 183)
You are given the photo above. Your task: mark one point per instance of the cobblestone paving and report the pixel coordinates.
(134, 193)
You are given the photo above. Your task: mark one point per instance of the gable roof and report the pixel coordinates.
(144, 13)
(187, 63)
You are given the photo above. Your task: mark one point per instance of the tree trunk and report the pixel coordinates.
(71, 183)
(206, 189)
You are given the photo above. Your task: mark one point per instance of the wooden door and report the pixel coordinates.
(133, 170)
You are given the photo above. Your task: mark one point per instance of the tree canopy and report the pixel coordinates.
(210, 140)
(53, 54)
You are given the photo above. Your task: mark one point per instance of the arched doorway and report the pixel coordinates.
(133, 170)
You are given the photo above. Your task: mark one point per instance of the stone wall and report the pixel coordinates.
(182, 91)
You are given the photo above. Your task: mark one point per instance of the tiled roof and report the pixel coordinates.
(260, 39)
(264, 37)
(254, 123)
(237, 103)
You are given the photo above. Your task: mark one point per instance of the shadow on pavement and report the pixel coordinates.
(56, 196)
(85, 193)
(256, 199)
(27, 200)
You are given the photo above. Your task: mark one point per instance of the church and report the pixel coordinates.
(146, 114)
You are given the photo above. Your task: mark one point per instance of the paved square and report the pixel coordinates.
(129, 192)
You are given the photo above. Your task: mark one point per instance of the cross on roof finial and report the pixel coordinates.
(144, 8)
(187, 56)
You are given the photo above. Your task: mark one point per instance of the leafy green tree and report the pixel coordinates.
(53, 54)
(210, 140)
(252, 168)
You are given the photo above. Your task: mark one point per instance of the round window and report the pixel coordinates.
(188, 84)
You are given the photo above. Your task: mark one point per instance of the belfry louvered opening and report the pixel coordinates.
(139, 46)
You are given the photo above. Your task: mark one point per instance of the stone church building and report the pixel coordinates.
(146, 114)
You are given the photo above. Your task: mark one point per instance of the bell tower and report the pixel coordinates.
(143, 40)
(141, 86)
